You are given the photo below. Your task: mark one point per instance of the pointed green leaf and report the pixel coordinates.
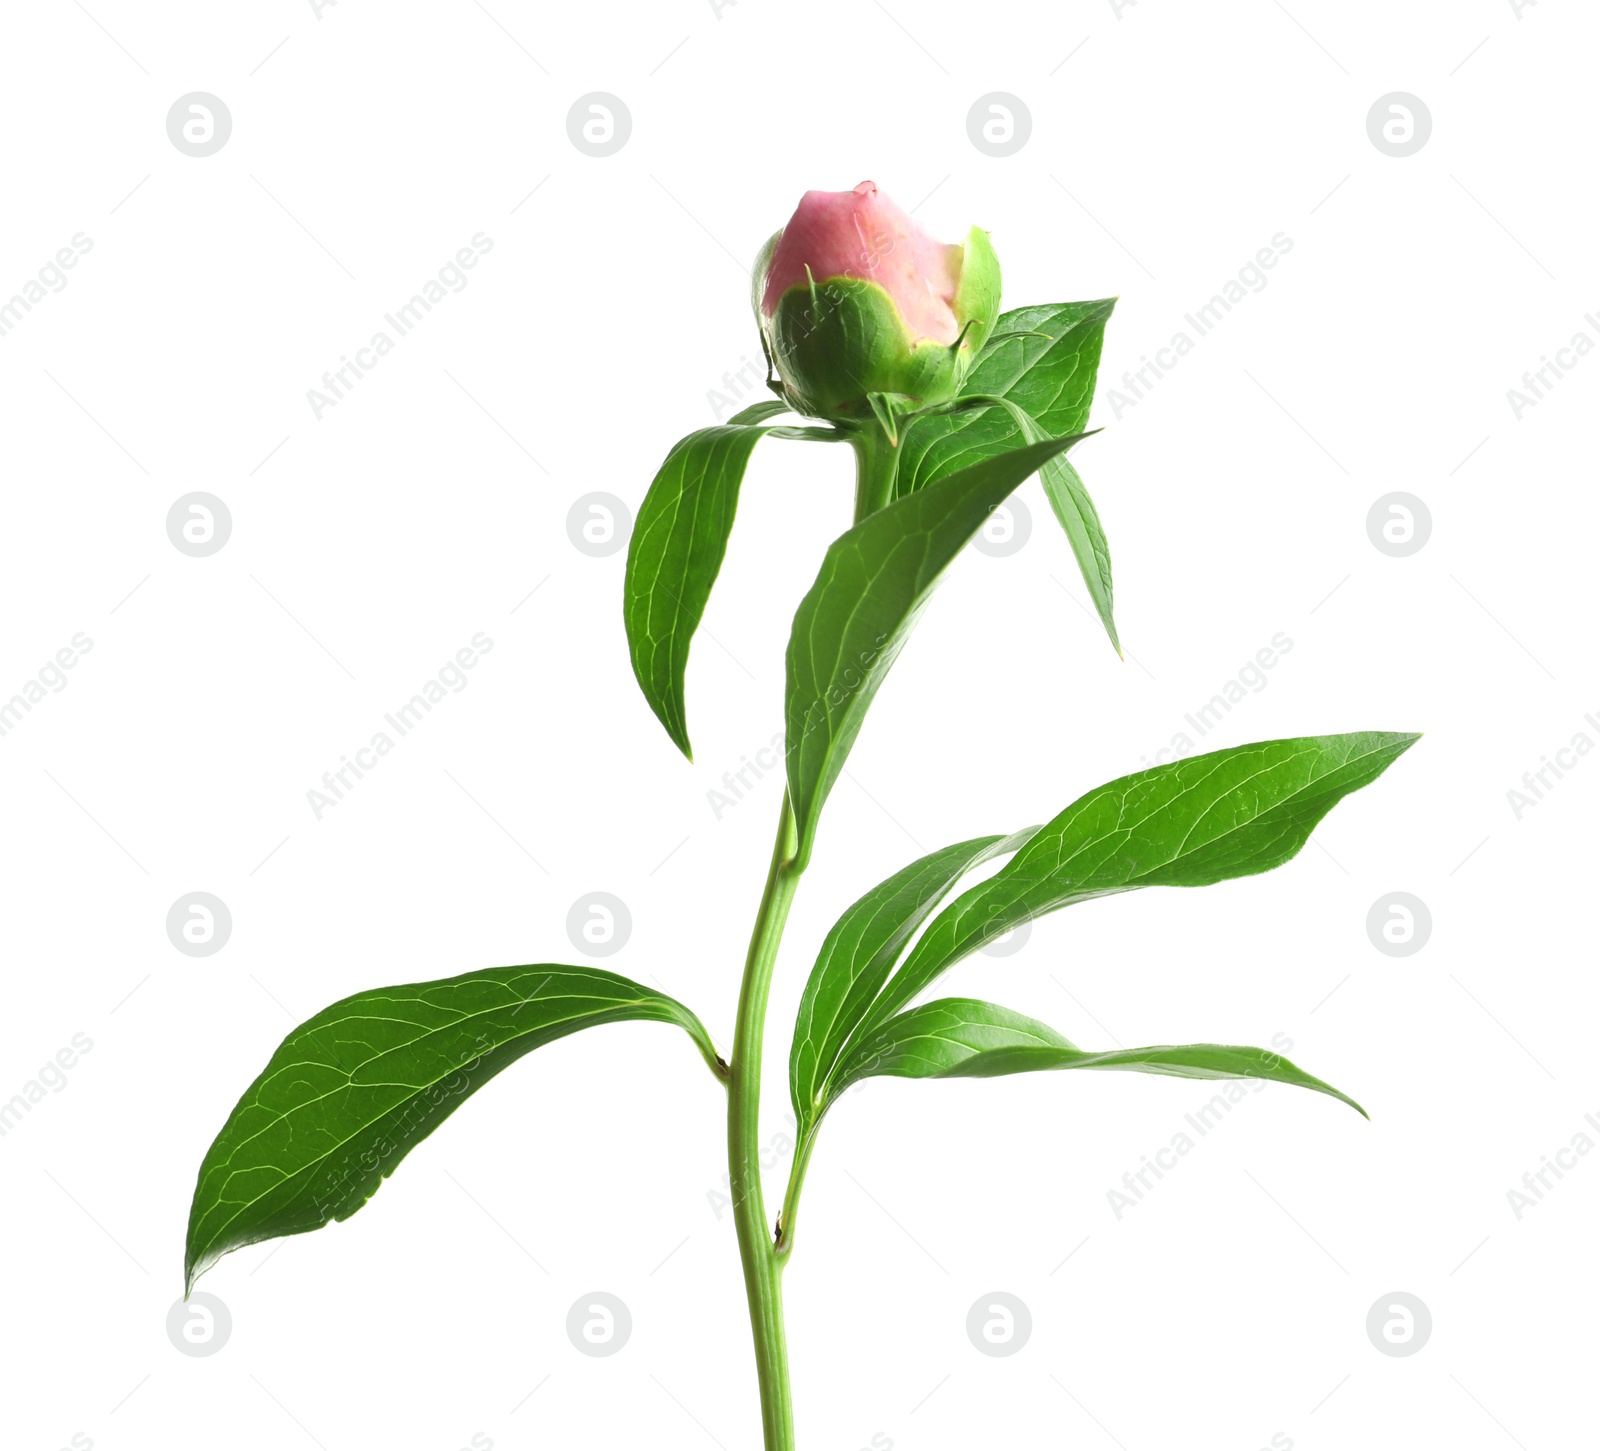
(860, 952)
(1044, 359)
(874, 582)
(1039, 368)
(964, 1038)
(352, 1090)
(1206, 819)
(1070, 502)
(674, 556)
(677, 548)
(1072, 506)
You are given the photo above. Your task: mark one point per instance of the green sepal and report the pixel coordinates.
(977, 299)
(837, 341)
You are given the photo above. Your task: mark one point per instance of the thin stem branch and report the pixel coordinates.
(877, 472)
(791, 1194)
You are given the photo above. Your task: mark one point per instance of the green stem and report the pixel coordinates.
(877, 460)
(791, 1194)
(762, 1267)
(762, 1252)
(877, 466)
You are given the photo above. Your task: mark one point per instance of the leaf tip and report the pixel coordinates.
(1403, 740)
(677, 730)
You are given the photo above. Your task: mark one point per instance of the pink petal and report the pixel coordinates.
(862, 233)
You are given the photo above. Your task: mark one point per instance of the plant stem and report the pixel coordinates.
(877, 460)
(763, 1257)
(791, 1194)
(762, 1267)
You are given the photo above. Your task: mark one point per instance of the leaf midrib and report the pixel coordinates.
(961, 938)
(282, 1117)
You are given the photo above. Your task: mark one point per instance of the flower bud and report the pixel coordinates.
(853, 298)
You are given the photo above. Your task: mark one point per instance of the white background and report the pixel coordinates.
(1168, 144)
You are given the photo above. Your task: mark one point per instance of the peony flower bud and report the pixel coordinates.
(854, 298)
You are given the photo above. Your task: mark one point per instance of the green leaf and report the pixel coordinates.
(677, 548)
(1071, 504)
(964, 1038)
(760, 412)
(1074, 509)
(1043, 359)
(874, 582)
(1209, 818)
(858, 955)
(1038, 373)
(352, 1090)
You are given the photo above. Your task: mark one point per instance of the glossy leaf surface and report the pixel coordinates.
(1080, 522)
(1074, 510)
(1044, 360)
(354, 1089)
(874, 582)
(676, 551)
(965, 1038)
(860, 952)
(1205, 819)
